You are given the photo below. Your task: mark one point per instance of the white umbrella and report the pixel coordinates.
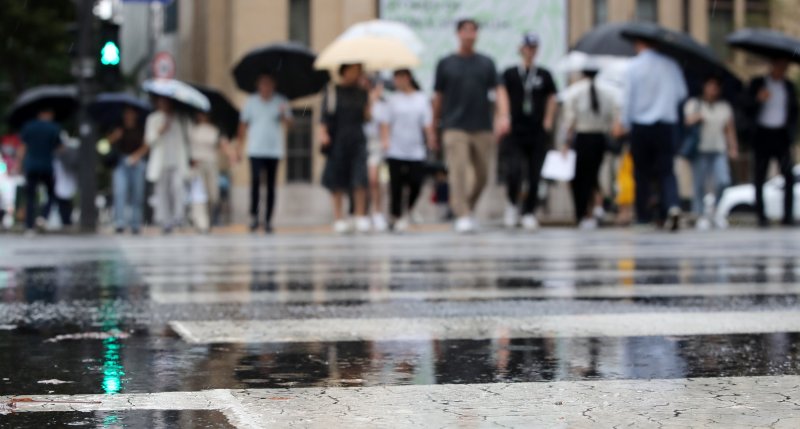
(385, 29)
(610, 71)
(178, 91)
(374, 53)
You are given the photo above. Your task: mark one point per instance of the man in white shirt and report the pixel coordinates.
(652, 98)
(772, 105)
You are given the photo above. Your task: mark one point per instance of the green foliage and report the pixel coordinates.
(34, 45)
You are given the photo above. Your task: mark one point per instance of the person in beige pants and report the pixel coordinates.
(462, 108)
(205, 142)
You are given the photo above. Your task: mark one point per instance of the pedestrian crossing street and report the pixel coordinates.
(560, 329)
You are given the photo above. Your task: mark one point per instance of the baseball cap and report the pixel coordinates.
(530, 39)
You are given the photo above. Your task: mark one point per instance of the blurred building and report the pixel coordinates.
(207, 37)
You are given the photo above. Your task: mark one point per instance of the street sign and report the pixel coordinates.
(163, 66)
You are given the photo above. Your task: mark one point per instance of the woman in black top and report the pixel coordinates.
(345, 109)
(129, 174)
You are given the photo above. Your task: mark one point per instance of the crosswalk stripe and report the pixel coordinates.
(399, 329)
(721, 402)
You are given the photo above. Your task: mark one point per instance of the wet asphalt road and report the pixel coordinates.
(117, 316)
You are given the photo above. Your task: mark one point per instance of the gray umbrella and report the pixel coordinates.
(767, 43)
(605, 39)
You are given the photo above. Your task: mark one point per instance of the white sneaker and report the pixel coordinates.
(721, 223)
(529, 222)
(379, 222)
(8, 221)
(401, 225)
(341, 226)
(703, 224)
(599, 213)
(363, 225)
(464, 225)
(588, 224)
(511, 218)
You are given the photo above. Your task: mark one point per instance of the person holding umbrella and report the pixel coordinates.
(346, 108)
(41, 140)
(772, 105)
(655, 89)
(265, 117)
(167, 140)
(129, 174)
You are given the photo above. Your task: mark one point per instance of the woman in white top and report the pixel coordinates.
(717, 142)
(590, 113)
(167, 134)
(406, 123)
(206, 139)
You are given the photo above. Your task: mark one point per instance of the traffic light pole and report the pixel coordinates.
(87, 175)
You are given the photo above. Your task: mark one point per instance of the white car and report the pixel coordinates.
(741, 200)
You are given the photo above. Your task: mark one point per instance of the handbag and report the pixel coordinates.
(690, 146)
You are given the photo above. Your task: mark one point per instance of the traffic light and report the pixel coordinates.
(109, 57)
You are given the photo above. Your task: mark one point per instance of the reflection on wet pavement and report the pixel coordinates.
(116, 300)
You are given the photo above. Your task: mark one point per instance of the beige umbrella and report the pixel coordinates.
(374, 53)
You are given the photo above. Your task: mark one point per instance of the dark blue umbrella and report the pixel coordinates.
(292, 65)
(107, 107)
(767, 43)
(62, 99)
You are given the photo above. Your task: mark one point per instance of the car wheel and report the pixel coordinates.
(742, 215)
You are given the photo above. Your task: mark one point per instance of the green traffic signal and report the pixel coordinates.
(109, 54)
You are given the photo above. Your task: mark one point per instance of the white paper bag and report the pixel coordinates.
(197, 191)
(559, 167)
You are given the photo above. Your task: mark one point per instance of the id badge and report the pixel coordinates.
(527, 106)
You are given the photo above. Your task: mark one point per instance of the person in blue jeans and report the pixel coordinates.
(41, 139)
(717, 143)
(129, 174)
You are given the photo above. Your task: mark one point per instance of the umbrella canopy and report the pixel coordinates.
(680, 46)
(374, 53)
(767, 43)
(387, 29)
(291, 64)
(63, 99)
(182, 93)
(606, 39)
(223, 113)
(107, 107)
(698, 61)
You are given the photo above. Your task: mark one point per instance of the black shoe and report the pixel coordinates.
(167, 230)
(674, 220)
(119, 231)
(788, 223)
(763, 223)
(253, 225)
(268, 229)
(136, 231)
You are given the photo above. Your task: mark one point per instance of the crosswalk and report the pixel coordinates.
(558, 329)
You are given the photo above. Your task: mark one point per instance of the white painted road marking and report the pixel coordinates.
(718, 402)
(485, 327)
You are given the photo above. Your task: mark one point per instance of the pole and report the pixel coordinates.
(87, 176)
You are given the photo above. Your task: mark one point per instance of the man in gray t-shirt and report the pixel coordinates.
(462, 108)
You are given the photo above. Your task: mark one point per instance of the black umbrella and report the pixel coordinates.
(223, 113)
(698, 61)
(292, 65)
(606, 39)
(107, 107)
(689, 53)
(63, 99)
(767, 43)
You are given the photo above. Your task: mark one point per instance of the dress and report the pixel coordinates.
(346, 167)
